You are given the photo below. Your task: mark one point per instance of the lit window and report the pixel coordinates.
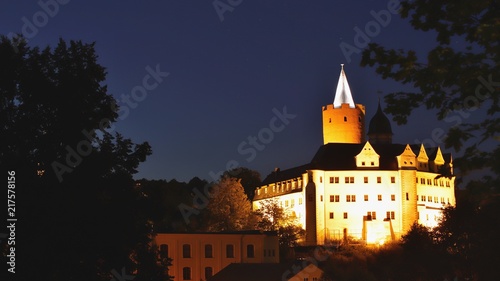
(300, 201)
(186, 251)
(393, 197)
(186, 273)
(379, 197)
(331, 215)
(379, 179)
(366, 197)
(292, 203)
(208, 251)
(345, 215)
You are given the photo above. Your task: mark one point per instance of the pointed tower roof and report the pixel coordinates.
(343, 93)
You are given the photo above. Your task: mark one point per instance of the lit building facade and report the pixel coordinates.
(198, 256)
(363, 190)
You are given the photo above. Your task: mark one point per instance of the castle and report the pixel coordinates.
(353, 189)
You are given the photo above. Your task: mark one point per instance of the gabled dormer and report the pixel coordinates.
(422, 159)
(367, 158)
(438, 161)
(407, 159)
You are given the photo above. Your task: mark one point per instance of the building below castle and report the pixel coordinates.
(354, 189)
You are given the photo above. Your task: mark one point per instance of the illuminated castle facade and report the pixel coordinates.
(370, 190)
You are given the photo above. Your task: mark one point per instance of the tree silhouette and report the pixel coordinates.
(80, 213)
(458, 77)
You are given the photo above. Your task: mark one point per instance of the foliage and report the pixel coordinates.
(458, 76)
(275, 218)
(249, 179)
(88, 223)
(228, 208)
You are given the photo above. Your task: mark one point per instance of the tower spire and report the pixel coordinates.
(343, 93)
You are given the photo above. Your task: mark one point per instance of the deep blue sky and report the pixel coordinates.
(226, 76)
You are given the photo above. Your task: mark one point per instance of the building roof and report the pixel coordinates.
(341, 156)
(379, 124)
(343, 92)
(258, 271)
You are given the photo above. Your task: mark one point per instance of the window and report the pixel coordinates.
(331, 215)
(390, 215)
(348, 198)
(379, 197)
(435, 199)
(208, 251)
(345, 118)
(353, 197)
(208, 272)
(250, 251)
(320, 179)
(286, 203)
(366, 179)
(334, 179)
(186, 251)
(332, 198)
(416, 180)
(429, 182)
(363, 163)
(429, 198)
(393, 197)
(422, 181)
(186, 273)
(345, 215)
(292, 203)
(321, 198)
(229, 251)
(331, 179)
(393, 179)
(379, 179)
(163, 251)
(349, 179)
(407, 196)
(300, 201)
(366, 197)
(337, 198)
(371, 215)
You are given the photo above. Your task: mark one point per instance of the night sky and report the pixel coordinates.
(229, 72)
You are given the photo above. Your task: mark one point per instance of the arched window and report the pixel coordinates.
(250, 251)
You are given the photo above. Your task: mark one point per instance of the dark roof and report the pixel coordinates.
(256, 271)
(278, 175)
(379, 124)
(341, 156)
